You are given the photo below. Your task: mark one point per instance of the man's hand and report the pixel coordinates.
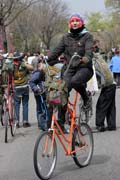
(84, 60)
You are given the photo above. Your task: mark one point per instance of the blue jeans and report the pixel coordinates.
(41, 111)
(21, 95)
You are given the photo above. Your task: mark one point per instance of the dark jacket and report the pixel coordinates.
(81, 43)
(36, 80)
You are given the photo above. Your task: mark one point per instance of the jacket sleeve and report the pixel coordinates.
(34, 81)
(53, 58)
(89, 47)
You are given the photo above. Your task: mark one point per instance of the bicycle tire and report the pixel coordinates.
(85, 141)
(6, 119)
(1, 114)
(40, 159)
(13, 121)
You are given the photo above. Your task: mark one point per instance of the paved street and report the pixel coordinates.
(16, 157)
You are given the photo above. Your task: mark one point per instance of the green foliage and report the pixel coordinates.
(113, 4)
(96, 22)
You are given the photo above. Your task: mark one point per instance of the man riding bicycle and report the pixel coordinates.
(79, 40)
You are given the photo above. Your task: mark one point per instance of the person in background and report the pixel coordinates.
(105, 106)
(36, 83)
(21, 88)
(114, 66)
(38, 58)
(30, 57)
(78, 39)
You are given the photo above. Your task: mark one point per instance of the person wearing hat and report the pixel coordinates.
(78, 39)
(21, 88)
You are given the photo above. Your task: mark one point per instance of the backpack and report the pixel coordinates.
(102, 69)
(8, 66)
(57, 92)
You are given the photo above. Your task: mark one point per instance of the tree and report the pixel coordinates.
(115, 4)
(102, 29)
(23, 30)
(51, 20)
(9, 11)
(95, 21)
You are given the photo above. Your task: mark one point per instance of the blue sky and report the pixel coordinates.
(85, 6)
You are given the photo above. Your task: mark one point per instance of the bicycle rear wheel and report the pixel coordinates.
(82, 144)
(6, 116)
(13, 121)
(45, 156)
(5, 119)
(1, 114)
(84, 116)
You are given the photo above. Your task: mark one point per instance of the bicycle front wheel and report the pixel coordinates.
(45, 155)
(82, 144)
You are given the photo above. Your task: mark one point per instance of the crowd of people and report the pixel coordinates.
(29, 73)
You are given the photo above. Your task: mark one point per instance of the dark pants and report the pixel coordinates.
(21, 95)
(117, 78)
(105, 107)
(76, 79)
(41, 111)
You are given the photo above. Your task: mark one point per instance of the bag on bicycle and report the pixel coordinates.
(57, 92)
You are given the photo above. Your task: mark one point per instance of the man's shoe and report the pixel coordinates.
(100, 128)
(26, 124)
(111, 128)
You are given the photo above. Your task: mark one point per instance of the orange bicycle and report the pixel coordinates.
(78, 143)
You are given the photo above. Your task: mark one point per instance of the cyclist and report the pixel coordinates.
(79, 40)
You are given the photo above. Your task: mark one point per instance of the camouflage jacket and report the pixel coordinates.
(102, 70)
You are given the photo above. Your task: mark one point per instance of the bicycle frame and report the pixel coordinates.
(55, 128)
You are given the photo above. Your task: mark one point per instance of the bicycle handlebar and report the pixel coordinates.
(73, 56)
(56, 69)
